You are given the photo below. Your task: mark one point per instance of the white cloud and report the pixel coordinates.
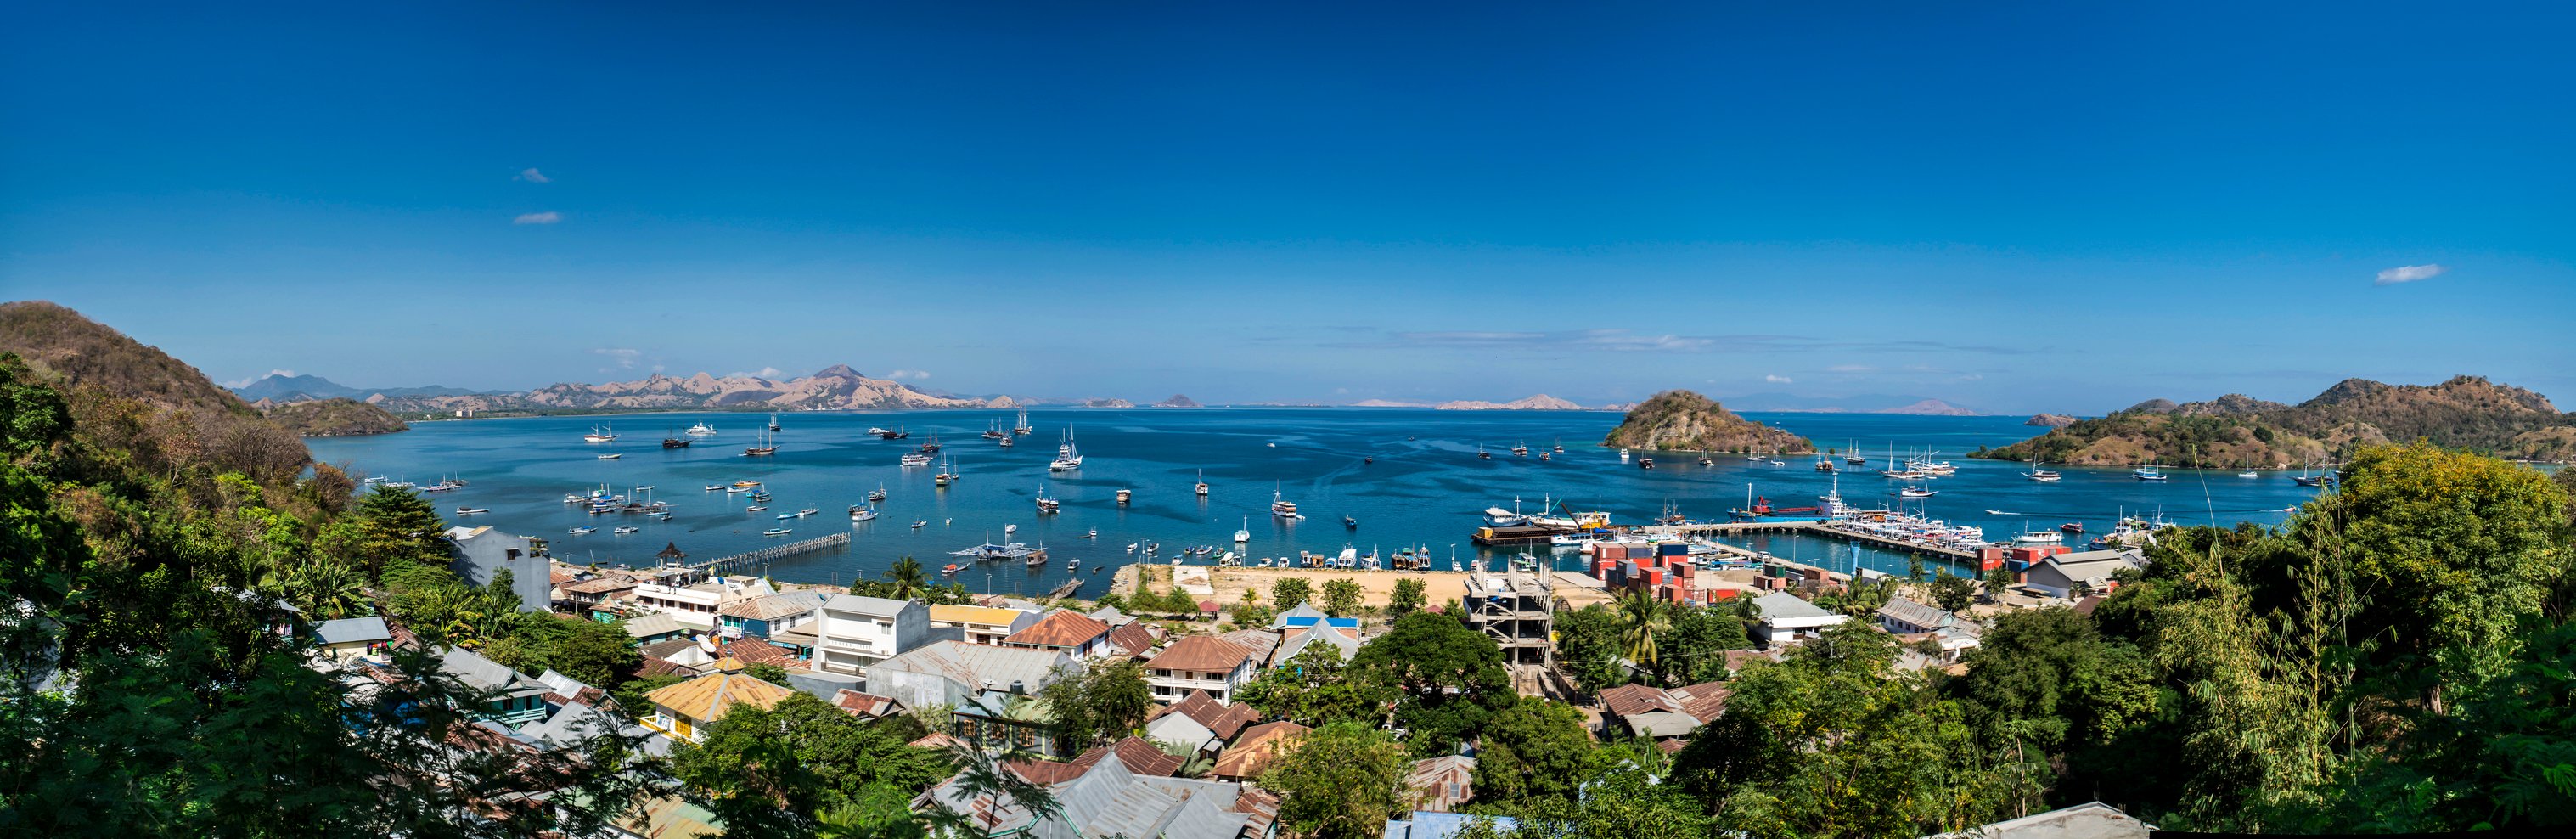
(547, 217)
(625, 357)
(2409, 273)
(1776, 379)
(533, 176)
(247, 381)
(762, 373)
(909, 374)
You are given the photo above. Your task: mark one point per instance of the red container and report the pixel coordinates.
(1654, 576)
(1682, 571)
(1990, 554)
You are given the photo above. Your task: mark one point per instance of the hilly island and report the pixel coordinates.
(2236, 431)
(1680, 420)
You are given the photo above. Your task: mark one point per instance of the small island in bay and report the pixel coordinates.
(1680, 420)
(2050, 420)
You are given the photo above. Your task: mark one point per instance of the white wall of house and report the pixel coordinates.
(847, 640)
(1175, 685)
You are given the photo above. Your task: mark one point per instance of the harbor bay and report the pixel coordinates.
(1406, 478)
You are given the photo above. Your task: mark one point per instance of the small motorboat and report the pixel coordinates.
(1645, 463)
(951, 569)
(1917, 492)
(920, 524)
(858, 513)
(1131, 547)
(1369, 459)
(785, 516)
(1705, 460)
(1069, 565)
(1350, 522)
(776, 531)
(626, 530)
(714, 487)
(2249, 474)
(582, 530)
(1009, 529)
(807, 512)
(755, 508)
(1089, 534)
(610, 456)
(467, 511)
(1123, 495)
(1546, 456)
(878, 495)
(2071, 527)
(1482, 454)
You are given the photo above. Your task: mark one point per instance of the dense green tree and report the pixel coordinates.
(1623, 801)
(1532, 749)
(1317, 688)
(768, 771)
(1344, 782)
(1952, 592)
(1341, 597)
(1104, 702)
(1406, 598)
(1695, 645)
(1587, 647)
(1290, 591)
(1449, 678)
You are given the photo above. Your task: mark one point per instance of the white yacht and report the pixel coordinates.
(1282, 507)
(1067, 457)
(598, 435)
(916, 459)
(863, 512)
(1245, 534)
(702, 429)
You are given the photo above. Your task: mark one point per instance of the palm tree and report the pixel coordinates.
(330, 590)
(907, 577)
(1644, 618)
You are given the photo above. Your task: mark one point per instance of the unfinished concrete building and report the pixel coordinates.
(1516, 609)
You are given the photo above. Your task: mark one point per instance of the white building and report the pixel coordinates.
(955, 673)
(853, 632)
(1786, 618)
(1199, 662)
(2060, 575)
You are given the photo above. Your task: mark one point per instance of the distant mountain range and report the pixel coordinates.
(1867, 403)
(282, 389)
(833, 388)
(2466, 412)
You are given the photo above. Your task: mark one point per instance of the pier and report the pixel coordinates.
(773, 553)
(1812, 528)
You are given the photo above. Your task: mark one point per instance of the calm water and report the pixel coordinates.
(1426, 488)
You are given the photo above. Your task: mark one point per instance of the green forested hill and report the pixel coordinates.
(336, 417)
(2235, 431)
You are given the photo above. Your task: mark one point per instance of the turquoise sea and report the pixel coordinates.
(1427, 487)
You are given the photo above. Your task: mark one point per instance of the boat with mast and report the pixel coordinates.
(674, 441)
(773, 421)
(1202, 483)
(597, 435)
(2041, 475)
(1023, 427)
(947, 473)
(2149, 472)
(1244, 533)
(766, 448)
(1520, 449)
(1281, 507)
(1045, 504)
(931, 447)
(879, 495)
(1067, 457)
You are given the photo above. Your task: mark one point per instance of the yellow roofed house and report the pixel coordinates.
(683, 710)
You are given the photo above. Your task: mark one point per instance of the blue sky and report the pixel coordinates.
(2008, 206)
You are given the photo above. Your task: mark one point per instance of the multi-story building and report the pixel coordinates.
(1064, 630)
(1199, 663)
(1517, 610)
(852, 632)
(482, 553)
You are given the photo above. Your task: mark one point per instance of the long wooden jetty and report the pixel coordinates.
(1812, 528)
(770, 554)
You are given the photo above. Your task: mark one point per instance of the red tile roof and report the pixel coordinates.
(1202, 654)
(1225, 720)
(752, 651)
(1704, 701)
(863, 704)
(1133, 639)
(1062, 629)
(1630, 700)
(1140, 757)
(1045, 771)
(1259, 745)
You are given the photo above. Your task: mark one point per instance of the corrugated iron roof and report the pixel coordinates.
(1062, 628)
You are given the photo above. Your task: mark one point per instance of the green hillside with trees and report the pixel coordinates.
(2234, 431)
